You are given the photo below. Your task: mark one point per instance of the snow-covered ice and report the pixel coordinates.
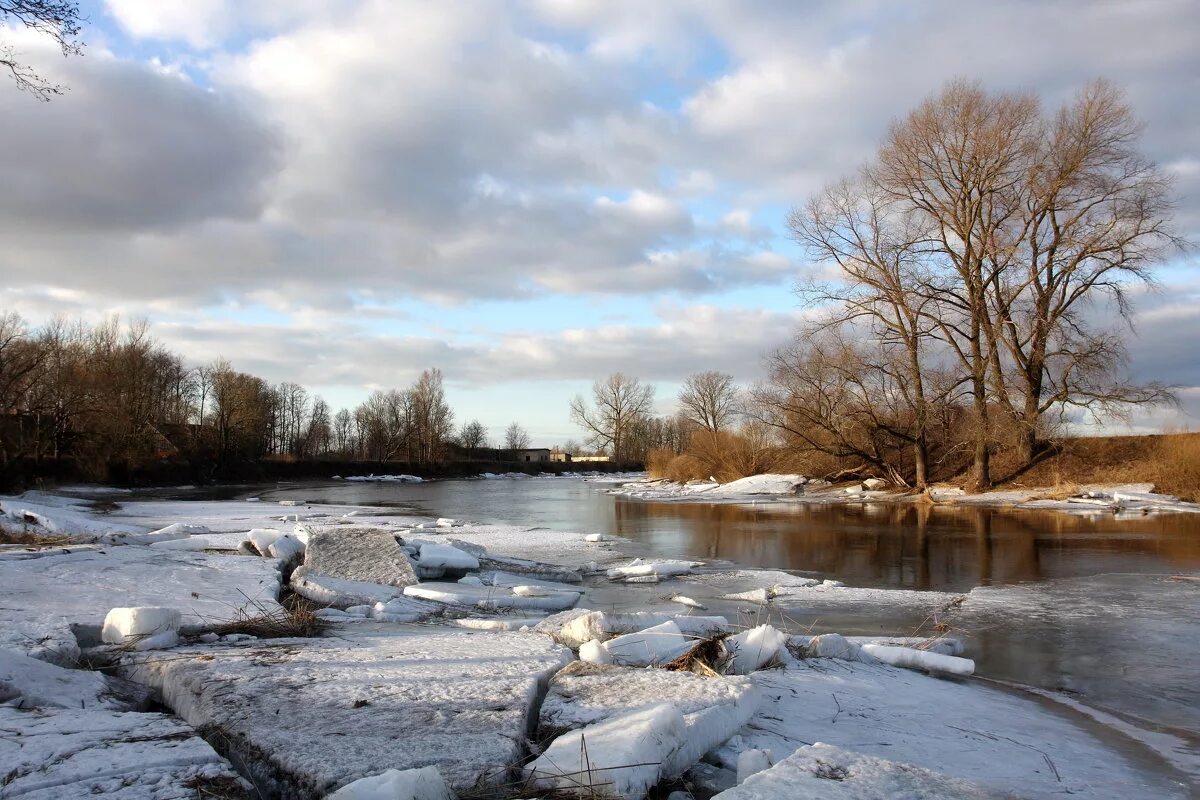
(488, 597)
(656, 645)
(444, 556)
(619, 758)
(142, 628)
(57, 753)
(603, 625)
(824, 772)
(44, 597)
(310, 715)
(920, 659)
(357, 553)
(752, 649)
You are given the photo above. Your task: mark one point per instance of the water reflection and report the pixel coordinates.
(915, 546)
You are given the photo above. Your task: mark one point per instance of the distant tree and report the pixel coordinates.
(472, 435)
(709, 399)
(516, 437)
(619, 403)
(57, 19)
(433, 420)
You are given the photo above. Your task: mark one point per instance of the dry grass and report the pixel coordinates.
(1170, 461)
(34, 540)
(272, 623)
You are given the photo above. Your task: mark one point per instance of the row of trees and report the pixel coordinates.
(109, 393)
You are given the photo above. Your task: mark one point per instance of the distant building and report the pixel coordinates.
(560, 456)
(590, 458)
(532, 454)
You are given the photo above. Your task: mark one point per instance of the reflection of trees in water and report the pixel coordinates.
(918, 546)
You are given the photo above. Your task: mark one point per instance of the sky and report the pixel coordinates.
(527, 195)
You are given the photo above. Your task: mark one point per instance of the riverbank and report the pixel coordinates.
(1133, 498)
(445, 660)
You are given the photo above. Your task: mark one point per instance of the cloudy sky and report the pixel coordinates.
(528, 195)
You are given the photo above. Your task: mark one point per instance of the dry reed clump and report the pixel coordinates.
(282, 622)
(1177, 459)
(703, 659)
(34, 540)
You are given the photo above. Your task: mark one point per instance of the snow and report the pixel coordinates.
(824, 772)
(56, 753)
(143, 628)
(594, 652)
(1002, 740)
(713, 708)
(425, 783)
(920, 659)
(44, 597)
(488, 597)
(652, 646)
(28, 683)
(309, 715)
(603, 625)
(357, 553)
(444, 556)
(752, 649)
(496, 623)
(41, 512)
(620, 758)
(401, 609)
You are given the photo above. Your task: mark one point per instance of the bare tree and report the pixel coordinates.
(57, 19)
(472, 436)
(619, 403)
(516, 437)
(433, 421)
(709, 400)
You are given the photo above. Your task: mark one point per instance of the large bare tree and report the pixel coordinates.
(619, 402)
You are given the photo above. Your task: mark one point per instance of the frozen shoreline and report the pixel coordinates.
(1121, 499)
(383, 656)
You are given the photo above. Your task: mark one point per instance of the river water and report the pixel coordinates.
(1105, 610)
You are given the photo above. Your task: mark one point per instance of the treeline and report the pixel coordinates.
(108, 395)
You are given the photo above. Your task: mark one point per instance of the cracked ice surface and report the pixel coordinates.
(43, 597)
(56, 753)
(997, 739)
(308, 716)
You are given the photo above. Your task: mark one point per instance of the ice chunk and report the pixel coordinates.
(713, 708)
(761, 596)
(750, 762)
(143, 627)
(337, 592)
(28, 683)
(471, 580)
(767, 484)
(403, 609)
(620, 758)
(425, 783)
(446, 522)
(596, 537)
(684, 600)
(752, 649)
(261, 539)
(358, 553)
(496, 623)
(444, 556)
(874, 484)
(824, 772)
(287, 548)
(602, 625)
(488, 597)
(501, 578)
(656, 645)
(532, 591)
(920, 659)
(643, 579)
(639, 568)
(594, 652)
(292, 711)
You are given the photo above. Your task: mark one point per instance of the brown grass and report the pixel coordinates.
(272, 623)
(34, 540)
(1170, 461)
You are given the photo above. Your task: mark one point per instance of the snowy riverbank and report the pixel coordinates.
(500, 656)
(1129, 499)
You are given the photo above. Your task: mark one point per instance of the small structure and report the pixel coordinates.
(590, 458)
(533, 454)
(560, 456)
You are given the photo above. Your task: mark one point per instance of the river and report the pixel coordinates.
(1104, 610)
